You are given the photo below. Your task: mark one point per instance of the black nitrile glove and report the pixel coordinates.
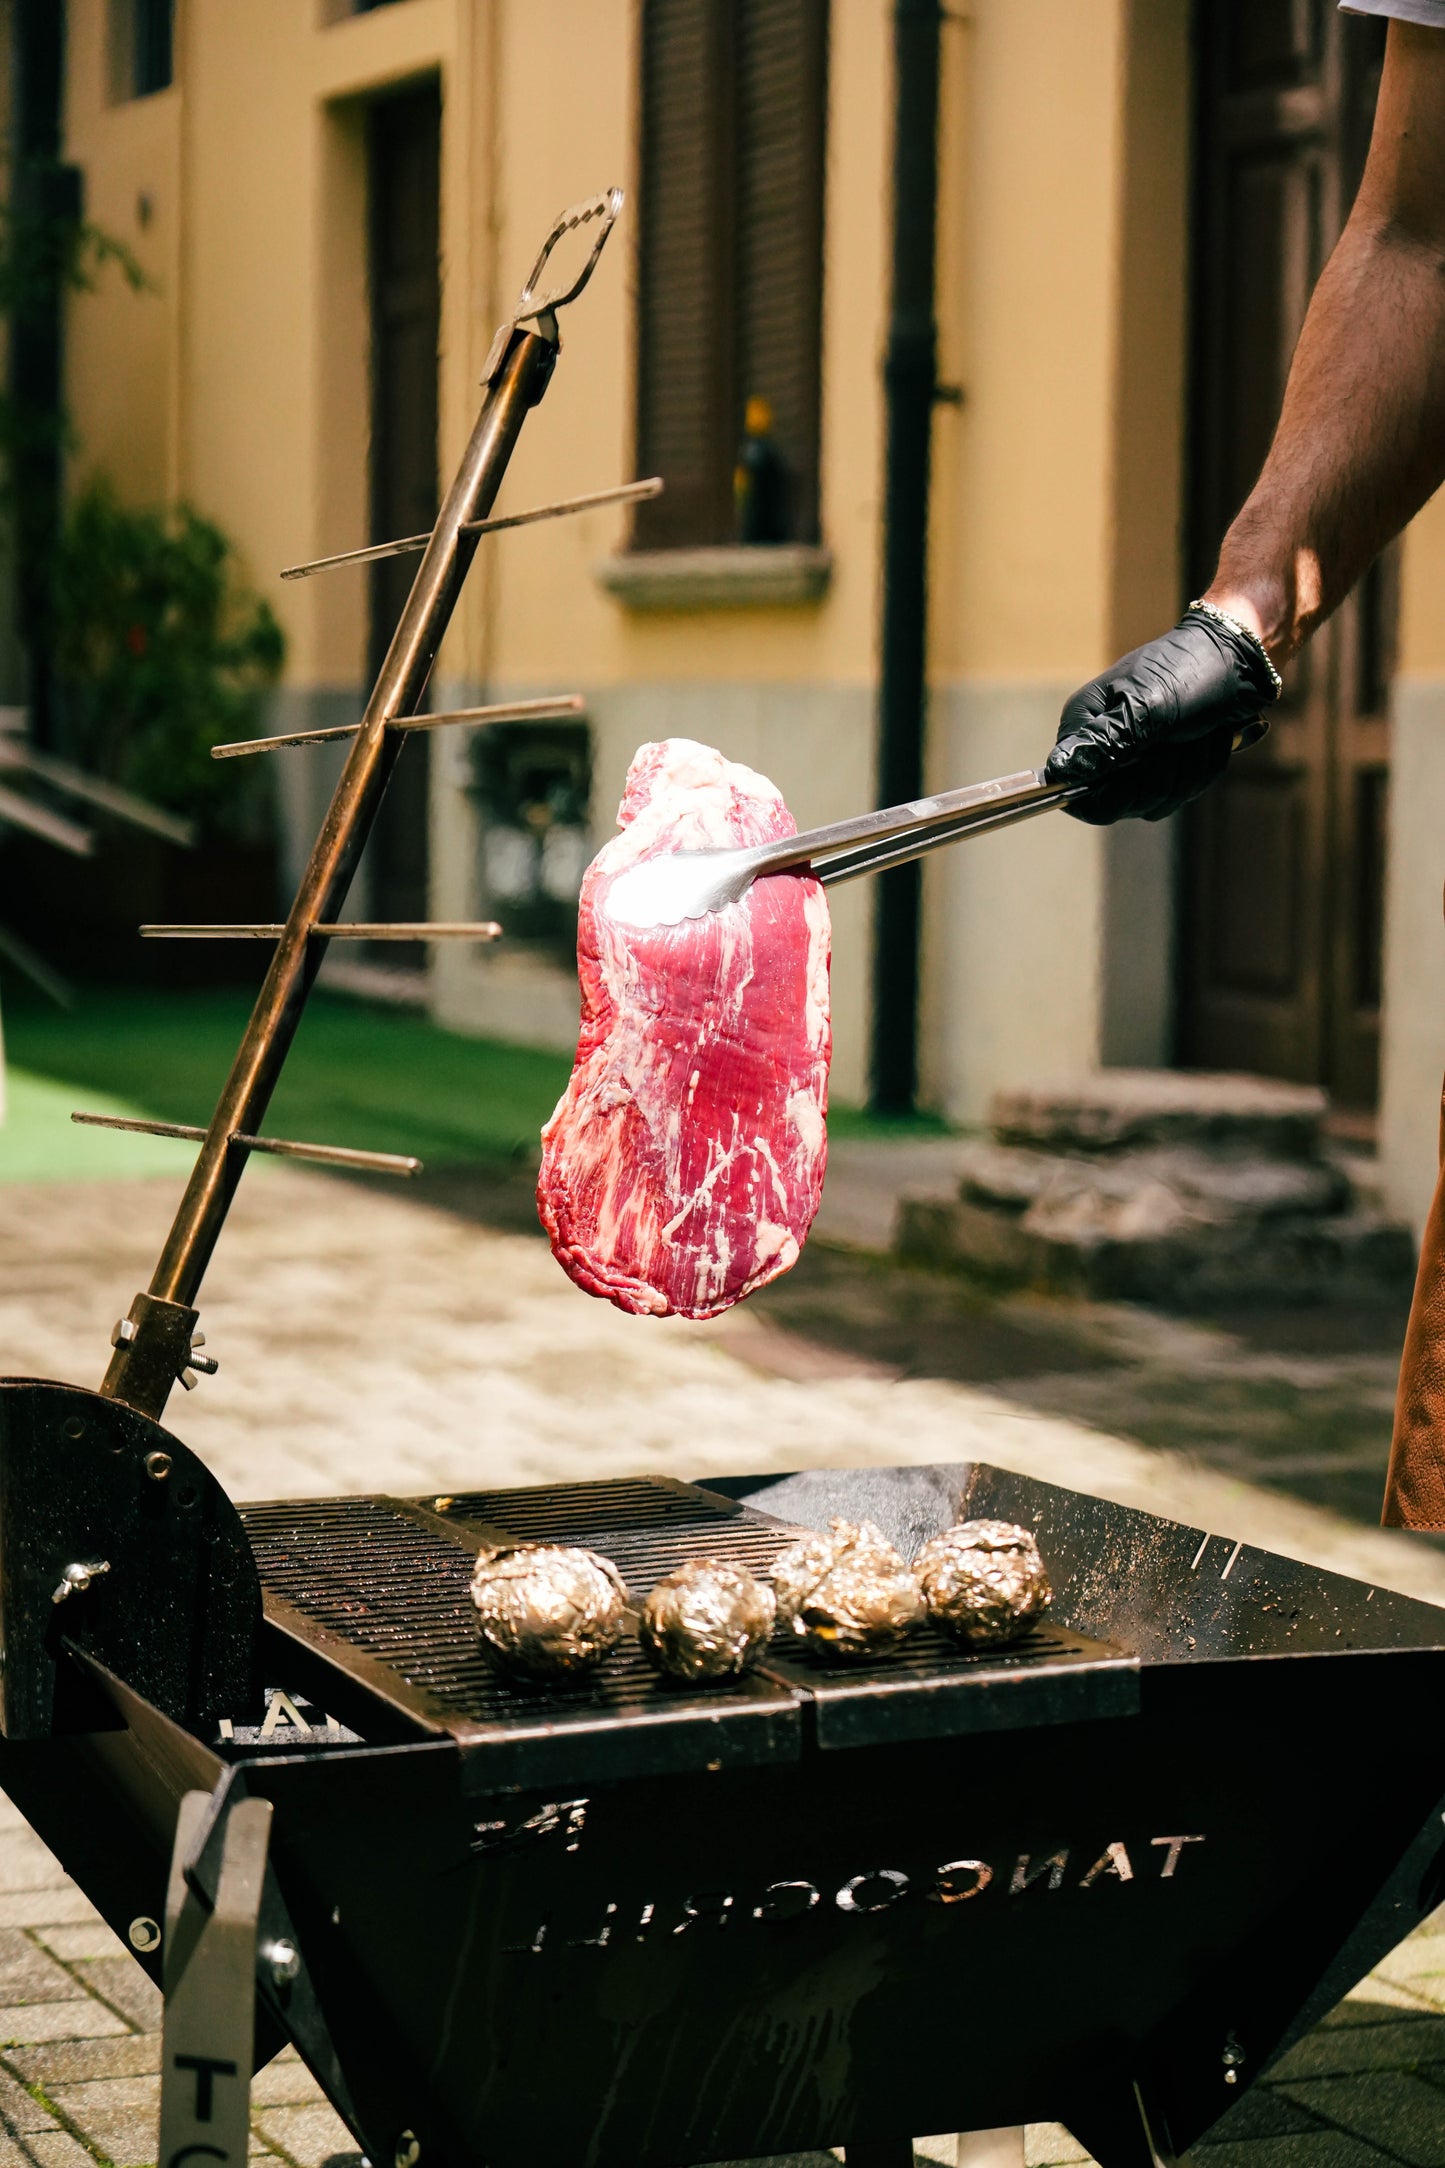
(1159, 727)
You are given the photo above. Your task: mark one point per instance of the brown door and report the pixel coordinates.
(1284, 861)
(404, 169)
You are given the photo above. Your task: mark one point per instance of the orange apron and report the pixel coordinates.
(1415, 1485)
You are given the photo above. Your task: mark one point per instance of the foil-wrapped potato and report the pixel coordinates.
(983, 1581)
(847, 1594)
(547, 1610)
(706, 1620)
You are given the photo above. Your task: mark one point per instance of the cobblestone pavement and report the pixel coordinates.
(368, 1343)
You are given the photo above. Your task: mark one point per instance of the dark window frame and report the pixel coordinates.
(142, 48)
(732, 173)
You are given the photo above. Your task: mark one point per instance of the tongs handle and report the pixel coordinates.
(929, 836)
(870, 842)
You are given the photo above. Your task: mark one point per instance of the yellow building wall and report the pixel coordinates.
(121, 349)
(240, 382)
(1413, 1034)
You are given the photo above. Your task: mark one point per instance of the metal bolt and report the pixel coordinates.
(144, 1933)
(123, 1332)
(76, 1579)
(1233, 2059)
(73, 1427)
(158, 1466)
(284, 1960)
(408, 2150)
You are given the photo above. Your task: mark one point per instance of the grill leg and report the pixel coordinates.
(992, 2148)
(210, 1987)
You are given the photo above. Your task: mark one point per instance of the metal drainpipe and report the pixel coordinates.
(909, 375)
(45, 193)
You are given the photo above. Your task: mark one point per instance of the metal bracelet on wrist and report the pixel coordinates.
(1234, 624)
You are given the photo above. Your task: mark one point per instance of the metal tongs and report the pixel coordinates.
(665, 891)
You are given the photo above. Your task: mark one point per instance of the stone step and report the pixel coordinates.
(1125, 1109)
(1149, 1191)
(1186, 1191)
(1347, 1257)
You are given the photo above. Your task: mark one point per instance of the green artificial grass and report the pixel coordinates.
(40, 1143)
(360, 1074)
(379, 1078)
(844, 1121)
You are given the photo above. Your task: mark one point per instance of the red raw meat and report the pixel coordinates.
(684, 1163)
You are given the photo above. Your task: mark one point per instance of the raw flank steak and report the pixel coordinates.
(684, 1163)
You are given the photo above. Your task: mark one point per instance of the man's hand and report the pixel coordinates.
(1159, 727)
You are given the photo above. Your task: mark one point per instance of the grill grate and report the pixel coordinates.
(397, 1589)
(390, 1580)
(585, 1512)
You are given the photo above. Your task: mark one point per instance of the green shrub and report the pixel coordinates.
(159, 654)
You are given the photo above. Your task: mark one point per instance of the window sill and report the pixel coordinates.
(745, 577)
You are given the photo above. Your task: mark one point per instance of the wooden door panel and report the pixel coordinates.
(1273, 211)
(1273, 44)
(1284, 860)
(1255, 853)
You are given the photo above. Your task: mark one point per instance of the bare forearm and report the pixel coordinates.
(1361, 438)
(1360, 443)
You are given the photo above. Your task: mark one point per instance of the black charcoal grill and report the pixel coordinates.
(1101, 1877)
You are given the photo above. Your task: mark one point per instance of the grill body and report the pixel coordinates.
(818, 1908)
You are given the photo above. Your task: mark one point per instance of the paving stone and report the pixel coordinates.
(25, 1863)
(20, 2111)
(45, 1907)
(1337, 2050)
(85, 1939)
(74, 2062)
(311, 2136)
(290, 2084)
(1357, 2009)
(57, 2149)
(1413, 1960)
(1262, 2113)
(943, 2148)
(82, 2018)
(122, 1982)
(1393, 2110)
(1385, 1994)
(120, 2116)
(28, 1974)
(1049, 2144)
(1307, 2149)
(20, 2152)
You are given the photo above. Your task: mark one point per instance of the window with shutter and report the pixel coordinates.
(141, 40)
(730, 297)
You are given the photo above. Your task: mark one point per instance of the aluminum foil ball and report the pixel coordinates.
(984, 1581)
(847, 1594)
(706, 1620)
(547, 1611)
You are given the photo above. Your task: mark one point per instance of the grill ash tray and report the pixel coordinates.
(371, 1594)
